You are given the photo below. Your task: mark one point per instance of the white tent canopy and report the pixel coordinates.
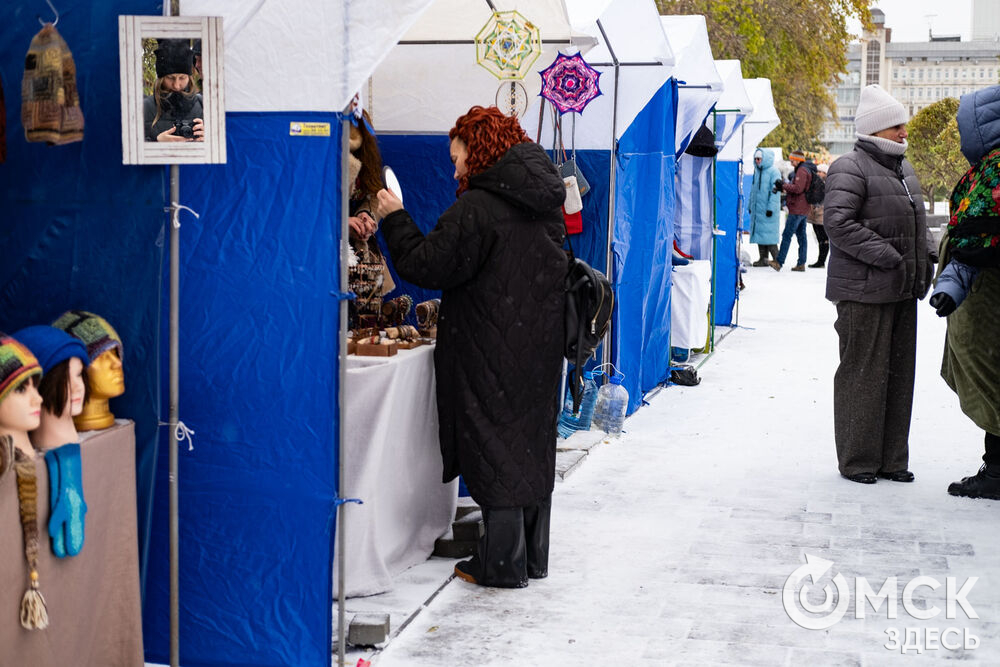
(296, 55)
(732, 109)
(760, 123)
(422, 88)
(699, 81)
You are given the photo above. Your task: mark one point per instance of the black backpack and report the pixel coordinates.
(589, 302)
(817, 186)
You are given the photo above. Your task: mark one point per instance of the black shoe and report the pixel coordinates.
(898, 476)
(980, 485)
(468, 570)
(760, 262)
(861, 477)
(817, 265)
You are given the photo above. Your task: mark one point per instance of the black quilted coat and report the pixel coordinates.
(497, 256)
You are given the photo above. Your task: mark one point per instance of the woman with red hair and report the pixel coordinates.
(496, 255)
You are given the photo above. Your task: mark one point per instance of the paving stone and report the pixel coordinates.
(368, 629)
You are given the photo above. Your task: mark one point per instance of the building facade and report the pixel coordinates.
(915, 73)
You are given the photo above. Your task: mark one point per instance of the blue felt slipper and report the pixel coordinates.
(66, 497)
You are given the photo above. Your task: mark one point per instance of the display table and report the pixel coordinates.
(690, 293)
(392, 461)
(95, 614)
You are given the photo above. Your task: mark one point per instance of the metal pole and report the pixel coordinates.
(609, 264)
(345, 132)
(711, 301)
(175, 289)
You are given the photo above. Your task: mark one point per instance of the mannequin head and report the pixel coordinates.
(64, 385)
(20, 403)
(105, 375)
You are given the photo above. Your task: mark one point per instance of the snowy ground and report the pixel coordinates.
(671, 545)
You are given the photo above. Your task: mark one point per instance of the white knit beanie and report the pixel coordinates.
(878, 110)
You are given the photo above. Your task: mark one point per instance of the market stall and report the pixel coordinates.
(622, 141)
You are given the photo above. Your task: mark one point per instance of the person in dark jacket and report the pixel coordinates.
(798, 210)
(174, 111)
(816, 220)
(967, 290)
(497, 256)
(881, 262)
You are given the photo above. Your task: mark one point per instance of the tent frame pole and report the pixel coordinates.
(715, 228)
(609, 264)
(174, 399)
(345, 133)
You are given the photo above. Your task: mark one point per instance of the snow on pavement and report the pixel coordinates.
(671, 545)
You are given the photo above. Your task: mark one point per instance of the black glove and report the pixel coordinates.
(778, 186)
(943, 304)
(768, 214)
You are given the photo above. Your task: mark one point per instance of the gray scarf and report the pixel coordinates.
(887, 146)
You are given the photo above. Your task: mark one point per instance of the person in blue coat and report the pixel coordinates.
(765, 206)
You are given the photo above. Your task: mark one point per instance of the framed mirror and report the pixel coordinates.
(173, 111)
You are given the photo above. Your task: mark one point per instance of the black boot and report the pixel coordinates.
(824, 248)
(985, 483)
(501, 558)
(537, 520)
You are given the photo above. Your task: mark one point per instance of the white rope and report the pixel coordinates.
(182, 433)
(175, 213)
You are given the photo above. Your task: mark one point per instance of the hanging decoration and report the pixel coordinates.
(570, 83)
(512, 98)
(508, 45)
(50, 104)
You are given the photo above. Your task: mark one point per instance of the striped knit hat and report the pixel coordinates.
(16, 363)
(93, 330)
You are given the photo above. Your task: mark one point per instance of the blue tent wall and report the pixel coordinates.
(78, 229)
(258, 379)
(642, 244)
(728, 209)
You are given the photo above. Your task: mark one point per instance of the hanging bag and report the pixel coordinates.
(589, 303)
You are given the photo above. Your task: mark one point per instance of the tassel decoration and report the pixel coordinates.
(34, 613)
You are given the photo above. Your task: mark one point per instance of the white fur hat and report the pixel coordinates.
(878, 110)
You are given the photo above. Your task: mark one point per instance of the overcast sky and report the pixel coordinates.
(909, 19)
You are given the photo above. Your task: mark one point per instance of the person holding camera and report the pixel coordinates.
(798, 210)
(174, 111)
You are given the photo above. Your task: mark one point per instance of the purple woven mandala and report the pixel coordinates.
(570, 83)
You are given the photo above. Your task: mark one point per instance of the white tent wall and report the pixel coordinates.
(699, 83)
(732, 109)
(761, 121)
(295, 55)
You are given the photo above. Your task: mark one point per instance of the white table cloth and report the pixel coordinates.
(392, 462)
(690, 294)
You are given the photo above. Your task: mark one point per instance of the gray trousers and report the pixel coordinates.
(873, 386)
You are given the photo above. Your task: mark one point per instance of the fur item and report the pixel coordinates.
(93, 330)
(173, 56)
(50, 104)
(6, 454)
(34, 614)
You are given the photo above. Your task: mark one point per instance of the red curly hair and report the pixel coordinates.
(488, 134)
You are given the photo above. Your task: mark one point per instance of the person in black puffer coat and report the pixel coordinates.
(497, 256)
(881, 262)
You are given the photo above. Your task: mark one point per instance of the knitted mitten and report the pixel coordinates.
(66, 496)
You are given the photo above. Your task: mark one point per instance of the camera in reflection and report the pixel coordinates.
(184, 128)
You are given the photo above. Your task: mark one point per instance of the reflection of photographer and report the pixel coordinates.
(174, 111)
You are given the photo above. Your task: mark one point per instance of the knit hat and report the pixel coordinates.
(822, 167)
(93, 330)
(50, 103)
(173, 56)
(877, 111)
(52, 346)
(16, 363)
(797, 156)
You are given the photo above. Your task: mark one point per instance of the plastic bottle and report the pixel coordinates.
(612, 402)
(569, 422)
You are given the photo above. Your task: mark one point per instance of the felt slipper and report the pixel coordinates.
(66, 495)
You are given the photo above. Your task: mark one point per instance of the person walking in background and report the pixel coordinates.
(968, 286)
(765, 206)
(798, 209)
(881, 262)
(816, 220)
(497, 256)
